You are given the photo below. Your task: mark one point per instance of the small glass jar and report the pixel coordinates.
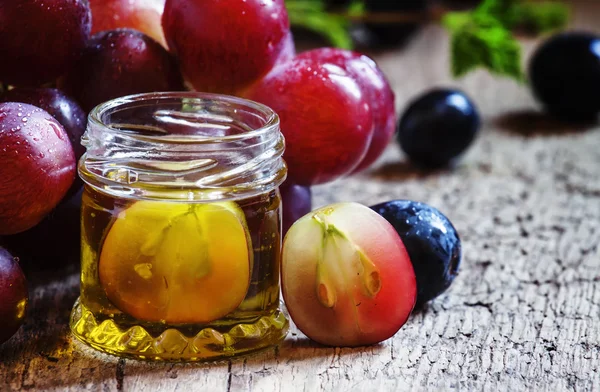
(181, 228)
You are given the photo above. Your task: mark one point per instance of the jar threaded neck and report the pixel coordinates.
(183, 146)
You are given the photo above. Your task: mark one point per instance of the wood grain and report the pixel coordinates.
(523, 314)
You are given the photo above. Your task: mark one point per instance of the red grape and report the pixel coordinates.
(121, 62)
(324, 117)
(37, 165)
(40, 40)
(63, 108)
(377, 92)
(288, 51)
(142, 15)
(346, 277)
(13, 291)
(224, 46)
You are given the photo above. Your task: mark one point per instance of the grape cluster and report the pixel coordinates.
(65, 57)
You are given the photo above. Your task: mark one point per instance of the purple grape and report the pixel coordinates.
(52, 243)
(296, 202)
(565, 75)
(431, 240)
(14, 295)
(121, 62)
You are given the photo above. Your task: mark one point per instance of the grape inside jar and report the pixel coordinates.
(181, 228)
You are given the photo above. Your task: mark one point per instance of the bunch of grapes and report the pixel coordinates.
(61, 58)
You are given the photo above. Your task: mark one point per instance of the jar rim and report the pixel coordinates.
(138, 161)
(271, 118)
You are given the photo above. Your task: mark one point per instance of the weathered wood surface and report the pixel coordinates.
(524, 313)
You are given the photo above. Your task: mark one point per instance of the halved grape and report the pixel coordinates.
(177, 263)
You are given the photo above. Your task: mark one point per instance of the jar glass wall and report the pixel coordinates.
(181, 227)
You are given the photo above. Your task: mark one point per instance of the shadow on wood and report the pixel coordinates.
(404, 170)
(533, 123)
(45, 331)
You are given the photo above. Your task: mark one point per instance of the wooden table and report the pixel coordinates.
(524, 314)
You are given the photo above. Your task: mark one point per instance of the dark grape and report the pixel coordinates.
(431, 240)
(13, 294)
(565, 75)
(338, 3)
(40, 40)
(437, 127)
(380, 34)
(54, 242)
(296, 202)
(121, 62)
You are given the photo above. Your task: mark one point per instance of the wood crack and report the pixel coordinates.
(120, 373)
(229, 375)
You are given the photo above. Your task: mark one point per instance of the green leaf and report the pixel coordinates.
(356, 8)
(482, 41)
(483, 37)
(541, 17)
(501, 10)
(454, 21)
(312, 15)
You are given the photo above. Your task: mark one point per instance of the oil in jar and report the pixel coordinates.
(179, 280)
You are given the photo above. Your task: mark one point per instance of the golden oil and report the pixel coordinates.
(254, 324)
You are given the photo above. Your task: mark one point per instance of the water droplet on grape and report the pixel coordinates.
(56, 129)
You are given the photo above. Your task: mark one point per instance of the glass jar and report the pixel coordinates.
(181, 227)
